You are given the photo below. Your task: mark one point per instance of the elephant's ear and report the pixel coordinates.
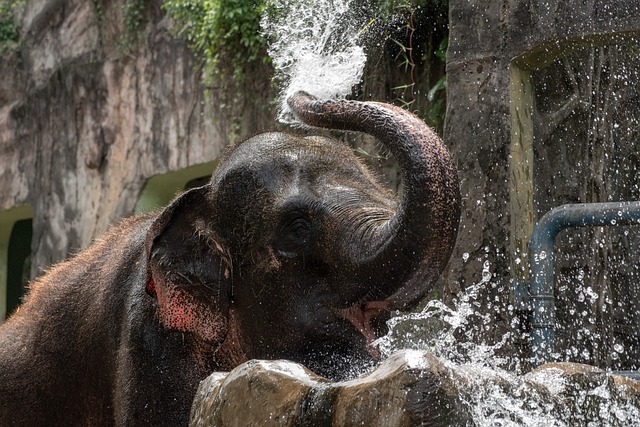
(189, 271)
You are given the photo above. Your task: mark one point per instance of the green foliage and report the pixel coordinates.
(9, 32)
(437, 107)
(389, 9)
(133, 20)
(441, 52)
(225, 32)
(416, 51)
(440, 84)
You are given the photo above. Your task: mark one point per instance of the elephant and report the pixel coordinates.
(293, 250)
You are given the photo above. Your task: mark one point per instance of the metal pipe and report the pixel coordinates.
(542, 299)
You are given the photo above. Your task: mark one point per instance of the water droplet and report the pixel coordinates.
(486, 273)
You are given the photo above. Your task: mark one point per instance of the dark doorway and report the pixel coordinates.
(18, 263)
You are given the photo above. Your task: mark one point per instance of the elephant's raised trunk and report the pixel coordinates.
(410, 251)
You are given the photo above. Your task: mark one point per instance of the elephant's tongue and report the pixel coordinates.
(360, 316)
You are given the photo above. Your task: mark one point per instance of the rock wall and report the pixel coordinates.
(86, 120)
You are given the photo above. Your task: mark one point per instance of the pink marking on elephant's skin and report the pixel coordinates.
(231, 351)
(181, 310)
(151, 288)
(176, 308)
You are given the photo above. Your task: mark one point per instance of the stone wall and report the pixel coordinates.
(526, 116)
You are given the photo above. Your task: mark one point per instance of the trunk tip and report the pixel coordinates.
(296, 100)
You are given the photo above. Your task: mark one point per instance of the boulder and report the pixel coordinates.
(416, 388)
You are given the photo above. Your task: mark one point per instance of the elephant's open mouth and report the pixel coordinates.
(368, 318)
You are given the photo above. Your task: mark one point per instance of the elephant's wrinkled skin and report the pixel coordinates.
(293, 250)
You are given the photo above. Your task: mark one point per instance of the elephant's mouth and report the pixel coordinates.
(367, 318)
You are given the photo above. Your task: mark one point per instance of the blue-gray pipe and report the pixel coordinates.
(541, 262)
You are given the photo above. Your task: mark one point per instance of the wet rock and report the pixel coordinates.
(410, 388)
(560, 394)
(583, 394)
(415, 388)
(265, 393)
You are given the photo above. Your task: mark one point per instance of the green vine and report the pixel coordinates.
(226, 37)
(436, 111)
(133, 20)
(417, 50)
(9, 31)
(225, 32)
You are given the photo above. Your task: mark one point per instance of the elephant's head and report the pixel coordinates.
(294, 249)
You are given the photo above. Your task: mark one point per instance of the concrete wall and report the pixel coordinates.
(501, 60)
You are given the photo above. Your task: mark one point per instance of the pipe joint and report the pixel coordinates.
(541, 257)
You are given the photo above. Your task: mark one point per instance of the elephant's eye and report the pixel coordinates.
(299, 227)
(294, 235)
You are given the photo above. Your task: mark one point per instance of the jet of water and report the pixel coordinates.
(315, 47)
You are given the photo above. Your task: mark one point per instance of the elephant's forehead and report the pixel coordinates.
(273, 154)
(278, 144)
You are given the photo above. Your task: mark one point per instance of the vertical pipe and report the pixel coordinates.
(541, 259)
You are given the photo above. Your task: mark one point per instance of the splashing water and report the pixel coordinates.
(493, 395)
(436, 329)
(315, 47)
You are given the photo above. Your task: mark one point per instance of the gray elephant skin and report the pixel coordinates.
(293, 250)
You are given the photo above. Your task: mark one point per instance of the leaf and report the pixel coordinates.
(442, 49)
(440, 84)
